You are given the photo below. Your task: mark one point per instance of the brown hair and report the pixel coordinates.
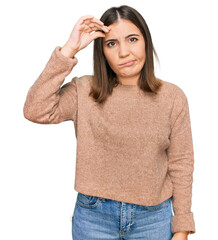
(104, 78)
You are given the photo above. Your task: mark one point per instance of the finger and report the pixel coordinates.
(95, 26)
(92, 23)
(94, 20)
(87, 17)
(87, 23)
(83, 18)
(97, 34)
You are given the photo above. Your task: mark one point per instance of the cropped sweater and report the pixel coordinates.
(136, 148)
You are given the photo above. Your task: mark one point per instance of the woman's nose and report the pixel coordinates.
(124, 50)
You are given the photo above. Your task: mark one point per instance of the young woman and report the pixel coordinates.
(134, 140)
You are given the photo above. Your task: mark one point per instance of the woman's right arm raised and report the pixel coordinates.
(47, 102)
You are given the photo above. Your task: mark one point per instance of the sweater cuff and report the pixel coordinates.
(184, 222)
(66, 60)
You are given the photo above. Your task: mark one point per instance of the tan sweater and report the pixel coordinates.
(137, 148)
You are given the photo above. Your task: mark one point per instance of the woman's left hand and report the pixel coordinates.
(180, 236)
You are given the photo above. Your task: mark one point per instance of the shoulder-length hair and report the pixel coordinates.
(104, 78)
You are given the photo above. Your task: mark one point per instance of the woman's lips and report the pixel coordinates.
(129, 63)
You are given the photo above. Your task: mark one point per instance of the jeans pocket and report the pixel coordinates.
(159, 206)
(87, 201)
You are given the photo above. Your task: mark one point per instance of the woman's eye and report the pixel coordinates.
(133, 38)
(109, 43)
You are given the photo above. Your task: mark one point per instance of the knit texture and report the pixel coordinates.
(136, 147)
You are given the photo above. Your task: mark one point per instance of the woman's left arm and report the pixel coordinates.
(181, 167)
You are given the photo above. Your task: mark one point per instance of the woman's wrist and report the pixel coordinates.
(67, 51)
(182, 233)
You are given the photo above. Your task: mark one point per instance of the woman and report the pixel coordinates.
(134, 142)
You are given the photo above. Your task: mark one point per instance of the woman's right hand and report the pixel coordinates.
(80, 36)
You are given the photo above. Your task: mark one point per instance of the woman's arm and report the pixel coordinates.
(47, 102)
(181, 165)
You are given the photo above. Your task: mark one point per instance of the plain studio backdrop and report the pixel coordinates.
(38, 160)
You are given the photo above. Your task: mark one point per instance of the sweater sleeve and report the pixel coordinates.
(46, 101)
(181, 165)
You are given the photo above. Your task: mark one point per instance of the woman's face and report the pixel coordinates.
(125, 43)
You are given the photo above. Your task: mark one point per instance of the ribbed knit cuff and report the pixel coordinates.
(184, 222)
(67, 60)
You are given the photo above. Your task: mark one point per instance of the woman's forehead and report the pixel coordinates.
(122, 28)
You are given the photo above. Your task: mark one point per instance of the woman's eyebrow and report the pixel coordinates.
(130, 35)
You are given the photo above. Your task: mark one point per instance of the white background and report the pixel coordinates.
(37, 162)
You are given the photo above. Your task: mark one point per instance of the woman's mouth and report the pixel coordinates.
(128, 63)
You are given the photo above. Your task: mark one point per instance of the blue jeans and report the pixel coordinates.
(95, 218)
